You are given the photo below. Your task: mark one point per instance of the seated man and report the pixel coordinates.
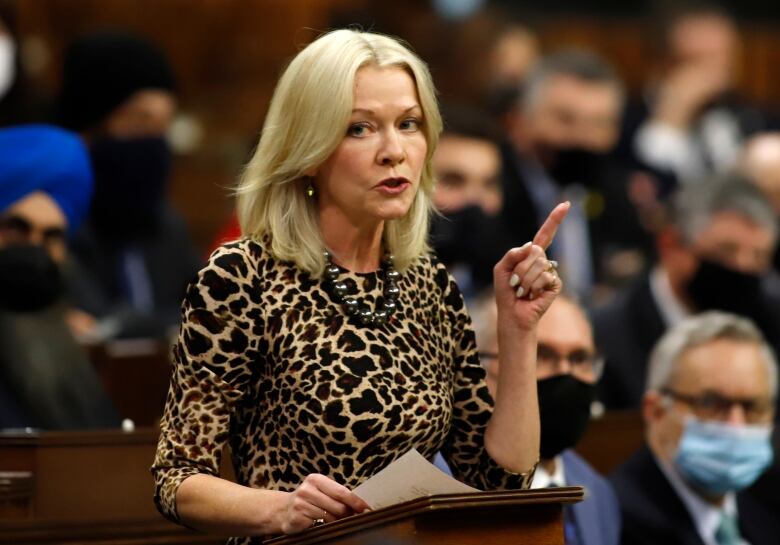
(708, 408)
(715, 253)
(691, 120)
(134, 252)
(468, 236)
(567, 370)
(560, 137)
(46, 380)
(760, 164)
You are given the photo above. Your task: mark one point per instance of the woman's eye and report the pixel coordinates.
(410, 124)
(358, 129)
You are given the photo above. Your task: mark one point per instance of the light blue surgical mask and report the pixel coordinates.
(716, 457)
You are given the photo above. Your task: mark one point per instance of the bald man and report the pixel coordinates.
(760, 163)
(567, 369)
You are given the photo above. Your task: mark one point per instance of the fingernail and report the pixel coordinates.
(514, 280)
(526, 245)
(520, 291)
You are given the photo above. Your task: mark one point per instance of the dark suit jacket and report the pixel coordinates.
(653, 513)
(628, 327)
(626, 331)
(613, 223)
(95, 280)
(597, 517)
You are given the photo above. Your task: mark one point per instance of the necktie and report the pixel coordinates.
(728, 531)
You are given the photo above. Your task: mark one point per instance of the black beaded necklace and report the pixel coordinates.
(353, 306)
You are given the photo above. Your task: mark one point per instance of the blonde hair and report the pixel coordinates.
(306, 121)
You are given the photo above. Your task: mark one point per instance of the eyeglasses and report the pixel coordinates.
(582, 363)
(16, 229)
(713, 406)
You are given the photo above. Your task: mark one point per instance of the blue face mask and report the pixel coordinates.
(717, 458)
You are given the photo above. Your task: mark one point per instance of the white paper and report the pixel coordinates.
(410, 476)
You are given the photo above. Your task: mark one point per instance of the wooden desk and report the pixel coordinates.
(500, 517)
(83, 487)
(135, 374)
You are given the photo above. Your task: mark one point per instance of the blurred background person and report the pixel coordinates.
(45, 186)
(561, 135)
(760, 164)
(511, 56)
(467, 235)
(714, 254)
(708, 410)
(691, 121)
(134, 252)
(8, 62)
(568, 367)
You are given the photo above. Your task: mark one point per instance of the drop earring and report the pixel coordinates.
(310, 189)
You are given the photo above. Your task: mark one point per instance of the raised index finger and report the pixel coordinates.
(546, 233)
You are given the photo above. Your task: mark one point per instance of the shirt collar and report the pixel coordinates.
(542, 479)
(671, 309)
(706, 516)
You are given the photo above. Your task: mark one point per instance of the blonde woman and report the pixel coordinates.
(327, 342)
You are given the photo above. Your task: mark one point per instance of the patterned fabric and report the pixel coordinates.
(267, 363)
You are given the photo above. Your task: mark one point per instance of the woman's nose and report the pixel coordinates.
(392, 151)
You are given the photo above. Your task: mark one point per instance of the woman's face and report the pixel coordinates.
(374, 173)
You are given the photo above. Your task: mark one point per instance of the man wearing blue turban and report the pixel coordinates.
(46, 380)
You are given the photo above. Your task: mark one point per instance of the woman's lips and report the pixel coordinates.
(393, 186)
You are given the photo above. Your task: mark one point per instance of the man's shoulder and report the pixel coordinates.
(647, 499)
(576, 465)
(624, 301)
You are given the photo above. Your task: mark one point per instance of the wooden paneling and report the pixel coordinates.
(135, 374)
(612, 439)
(228, 55)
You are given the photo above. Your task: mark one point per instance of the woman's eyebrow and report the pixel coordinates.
(372, 112)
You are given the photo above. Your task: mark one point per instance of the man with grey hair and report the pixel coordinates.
(708, 410)
(561, 133)
(715, 253)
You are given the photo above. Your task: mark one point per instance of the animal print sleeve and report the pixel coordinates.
(211, 367)
(472, 407)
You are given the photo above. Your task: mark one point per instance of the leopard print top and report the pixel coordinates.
(268, 363)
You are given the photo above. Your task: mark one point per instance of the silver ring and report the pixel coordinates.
(317, 522)
(553, 265)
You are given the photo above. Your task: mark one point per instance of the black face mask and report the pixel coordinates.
(29, 278)
(564, 412)
(717, 287)
(450, 232)
(130, 181)
(471, 237)
(572, 165)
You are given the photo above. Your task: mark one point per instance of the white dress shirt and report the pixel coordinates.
(542, 479)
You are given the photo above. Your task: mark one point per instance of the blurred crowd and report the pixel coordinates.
(673, 230)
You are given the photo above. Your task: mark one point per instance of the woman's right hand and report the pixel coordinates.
(319, 497)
